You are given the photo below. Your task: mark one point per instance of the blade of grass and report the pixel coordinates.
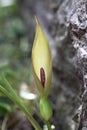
(7, 90)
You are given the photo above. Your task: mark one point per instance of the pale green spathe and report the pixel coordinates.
(41, 58)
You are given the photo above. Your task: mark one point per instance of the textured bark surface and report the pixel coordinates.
(78, 23)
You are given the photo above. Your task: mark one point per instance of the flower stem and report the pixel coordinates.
(48, 125)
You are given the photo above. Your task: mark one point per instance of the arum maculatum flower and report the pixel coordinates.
(42, 69)
(41, 61)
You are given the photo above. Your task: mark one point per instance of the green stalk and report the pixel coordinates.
(48, 125)
(7, 90)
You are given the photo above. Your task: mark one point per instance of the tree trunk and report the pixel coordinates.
(78, 24)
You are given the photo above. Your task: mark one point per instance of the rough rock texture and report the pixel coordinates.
(64, 22)
(78, 23)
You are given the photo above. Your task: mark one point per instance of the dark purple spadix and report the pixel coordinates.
(42, 76)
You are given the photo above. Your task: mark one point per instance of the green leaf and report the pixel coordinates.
(7, 90)
(6, 104)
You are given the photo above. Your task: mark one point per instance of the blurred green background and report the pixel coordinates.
(14, 43)
(15, 62)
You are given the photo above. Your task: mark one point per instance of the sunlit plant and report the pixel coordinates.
(41, 61)
(42, 70)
